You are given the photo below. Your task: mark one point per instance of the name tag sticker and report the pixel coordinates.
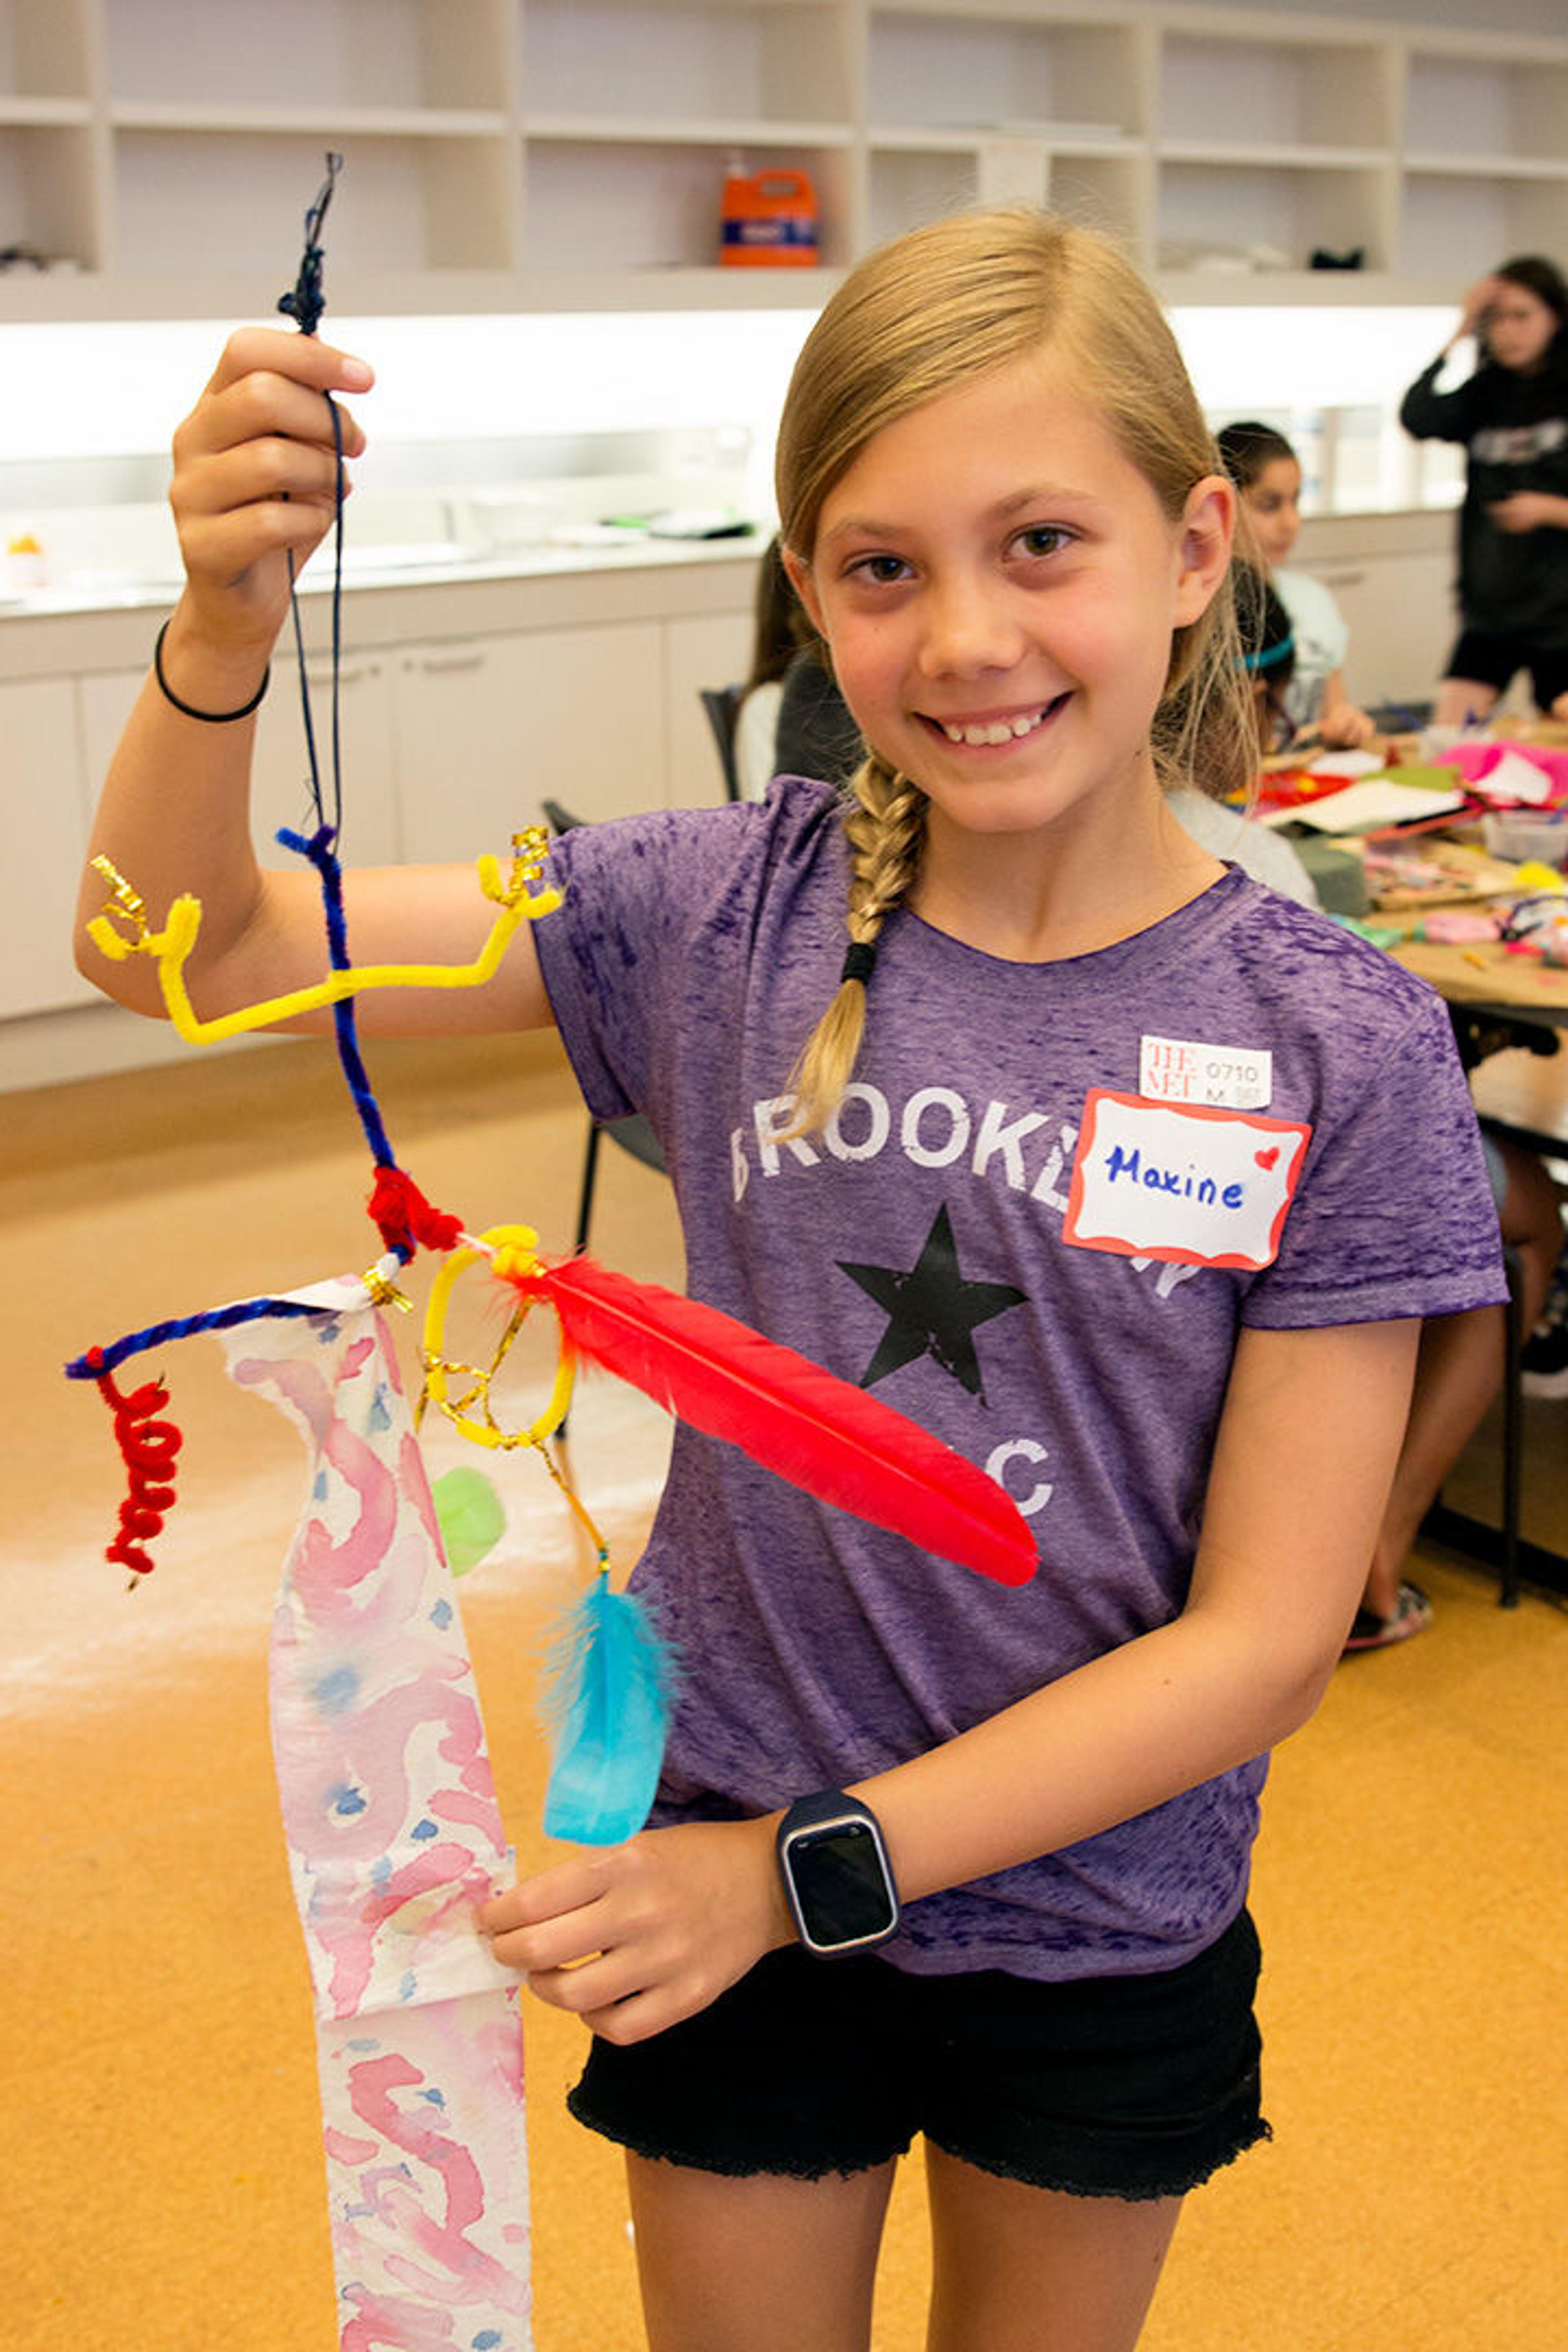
(1229, 1077)
(1183, 1182)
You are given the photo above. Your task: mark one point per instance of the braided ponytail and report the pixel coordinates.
(884, 824)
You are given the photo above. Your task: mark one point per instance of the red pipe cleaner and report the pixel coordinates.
(148, 1448)
(405, 1218)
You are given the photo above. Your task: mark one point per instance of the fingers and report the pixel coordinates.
(256, 469)
(281, 352)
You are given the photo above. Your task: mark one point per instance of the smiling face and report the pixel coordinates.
(999, 586)
(1273, 500)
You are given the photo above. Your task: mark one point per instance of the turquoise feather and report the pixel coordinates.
(606, 1705)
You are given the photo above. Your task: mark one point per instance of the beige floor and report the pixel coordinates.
(159, 2186)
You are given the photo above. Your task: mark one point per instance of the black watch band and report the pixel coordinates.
(837, 1879)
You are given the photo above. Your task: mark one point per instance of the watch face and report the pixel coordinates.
(840, 1884)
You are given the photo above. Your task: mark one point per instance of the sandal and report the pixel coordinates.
(1412, 1615)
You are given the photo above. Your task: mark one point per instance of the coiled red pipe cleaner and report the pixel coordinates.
(148, 1447)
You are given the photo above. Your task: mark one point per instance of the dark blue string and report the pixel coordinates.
(314, 778)
(304, 304)
(99, 1360)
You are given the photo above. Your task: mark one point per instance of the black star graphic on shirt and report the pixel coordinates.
(932, 1311)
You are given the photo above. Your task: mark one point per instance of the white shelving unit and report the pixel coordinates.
(527, 153)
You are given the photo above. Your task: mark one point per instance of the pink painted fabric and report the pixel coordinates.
(394, 1839)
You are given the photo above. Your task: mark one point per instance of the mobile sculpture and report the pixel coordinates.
(388, 1804)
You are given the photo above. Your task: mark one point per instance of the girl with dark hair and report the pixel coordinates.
(1511, 415)
(1268, 472)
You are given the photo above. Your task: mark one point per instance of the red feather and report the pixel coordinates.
(817, 1431)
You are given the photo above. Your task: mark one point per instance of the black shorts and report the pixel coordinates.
(1136, 2086)
(1494, 661)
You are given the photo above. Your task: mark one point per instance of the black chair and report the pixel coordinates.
(633, 1134)
(722, 705)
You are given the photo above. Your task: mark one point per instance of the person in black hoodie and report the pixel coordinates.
(1512, 416)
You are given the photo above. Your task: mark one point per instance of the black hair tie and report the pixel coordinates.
(859, 961)
(207, 718)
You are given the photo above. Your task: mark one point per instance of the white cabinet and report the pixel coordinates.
(367, 736)
(44, 801)
(520, 153)
(488, 728)
(1392, 577)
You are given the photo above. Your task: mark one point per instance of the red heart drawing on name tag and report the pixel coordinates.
(1267, 1158)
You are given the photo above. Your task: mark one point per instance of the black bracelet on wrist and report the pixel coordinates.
(207, 718)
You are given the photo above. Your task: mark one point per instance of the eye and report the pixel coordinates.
(880, 570)
(1042, 539)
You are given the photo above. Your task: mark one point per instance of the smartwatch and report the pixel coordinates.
(837, 1876)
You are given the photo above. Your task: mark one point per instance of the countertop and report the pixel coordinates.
(99, 620)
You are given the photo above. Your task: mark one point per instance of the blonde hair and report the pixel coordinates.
(932, 310)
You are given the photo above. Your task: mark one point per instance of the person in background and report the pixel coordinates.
(1459, 1370)
(1543, 1365)
(792, 720)
(1267, 471)
(876, 1032)
(1268, 659)
(1511, 415)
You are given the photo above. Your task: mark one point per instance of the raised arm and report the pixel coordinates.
(254, 484)
(1429, 415)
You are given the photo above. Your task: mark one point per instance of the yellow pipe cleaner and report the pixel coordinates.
(174, 944)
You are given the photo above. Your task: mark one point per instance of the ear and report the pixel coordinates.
(1208, 534)
(805, 587)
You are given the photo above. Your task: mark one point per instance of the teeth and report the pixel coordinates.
(1000, 731)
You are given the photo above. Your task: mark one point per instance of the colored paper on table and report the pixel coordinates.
(394, 1837)
(1368, 807)
(1515, 782)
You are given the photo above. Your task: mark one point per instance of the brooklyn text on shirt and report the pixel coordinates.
(1184, 1070)
(1029, 1152)
(1182, 1181)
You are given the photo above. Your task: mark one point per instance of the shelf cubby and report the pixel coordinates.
(976, 69)
(193, 201)
(1461, 224)
(1284, 93)
(1461, 107)
(45, 51)
(47, 191)
(728, 62)
(344, 57)
(658, 203)
(1289, 206)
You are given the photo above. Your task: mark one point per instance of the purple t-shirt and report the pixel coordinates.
(917, 1247)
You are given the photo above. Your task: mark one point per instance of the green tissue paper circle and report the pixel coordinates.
(470, 1515)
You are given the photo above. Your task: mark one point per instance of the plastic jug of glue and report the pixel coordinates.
(769, 219)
